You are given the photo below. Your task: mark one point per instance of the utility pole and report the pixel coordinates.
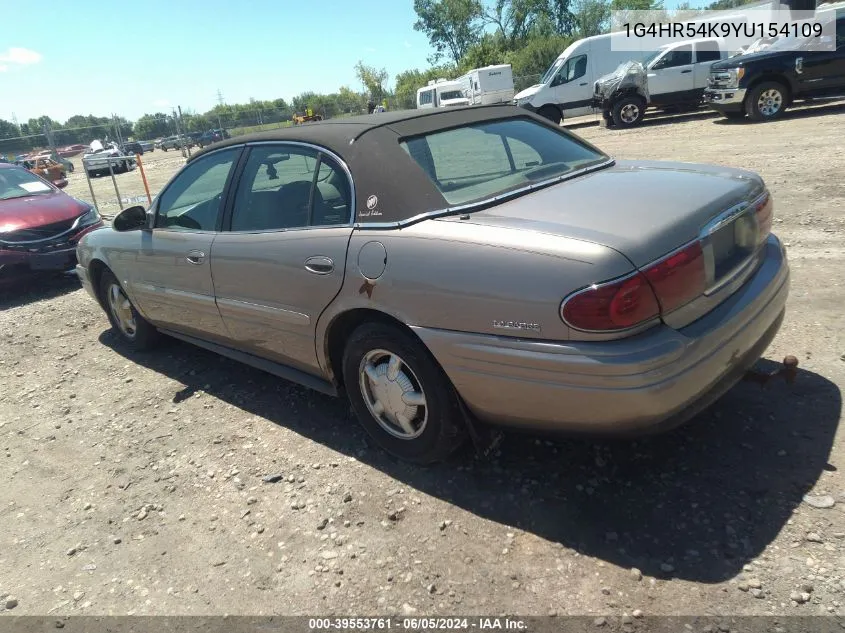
(220, 103)
(51, 143)
(185, 144)
(117, 133)
(17, 125)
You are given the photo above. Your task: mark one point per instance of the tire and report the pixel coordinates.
(432, 430)
(551, 113)
(628, 111)
(734, 116)
(62, 175)
(766, 101)
(121, 313)
(163, 148)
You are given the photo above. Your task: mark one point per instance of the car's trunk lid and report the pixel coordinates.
(646, 210)
(641, 209)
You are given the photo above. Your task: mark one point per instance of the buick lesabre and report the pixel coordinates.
(450, 268)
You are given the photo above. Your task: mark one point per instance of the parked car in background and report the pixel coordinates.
(671, 78)
(489, 266)
(107, 159)
(72, 150)
(176, 142)
(213, 136)
(147, 146)
(132, 147)
(762, 85)
(40, 225)
(48, 168)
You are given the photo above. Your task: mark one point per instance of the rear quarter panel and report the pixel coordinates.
(462, 277)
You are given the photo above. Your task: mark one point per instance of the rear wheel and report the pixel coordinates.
(551, 113)
(628, 111)
(401, 396)
(766, 101)
(125, 320)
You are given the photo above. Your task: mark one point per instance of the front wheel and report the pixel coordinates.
(401, 396)
(124, 318)
(551, 113)
(628, 111)
(766, 101)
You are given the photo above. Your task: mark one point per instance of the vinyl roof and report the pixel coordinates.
(335, 134)
(390, 187)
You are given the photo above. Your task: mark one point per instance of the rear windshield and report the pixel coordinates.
(480, 161)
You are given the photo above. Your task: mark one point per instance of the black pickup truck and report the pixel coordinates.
(763, 84)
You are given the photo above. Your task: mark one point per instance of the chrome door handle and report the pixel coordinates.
(195, 257)
(684, 72)
(319, 265)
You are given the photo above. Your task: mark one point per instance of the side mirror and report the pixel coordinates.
(61, 184)
(130, 219)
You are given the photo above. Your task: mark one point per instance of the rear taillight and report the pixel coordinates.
(616, 305)
(664, 286)
(678, 278)
(765, 212)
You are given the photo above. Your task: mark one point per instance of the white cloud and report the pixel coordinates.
(369, 49)
(3, 68)
(407, 44)
(22, 56)
(161, 103)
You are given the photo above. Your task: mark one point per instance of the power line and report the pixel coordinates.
(219, 97)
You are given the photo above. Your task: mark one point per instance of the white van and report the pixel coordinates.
(442, 93)
(491, 84)
(566, 89)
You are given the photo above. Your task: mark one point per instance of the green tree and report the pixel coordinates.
(491, 49)
(373, 80)
(452, 26)
(591, 17)
(514, 19)
(537, 55)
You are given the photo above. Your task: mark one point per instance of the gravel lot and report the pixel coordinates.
(134, 483)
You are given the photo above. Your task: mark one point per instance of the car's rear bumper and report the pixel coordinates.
(655, 379)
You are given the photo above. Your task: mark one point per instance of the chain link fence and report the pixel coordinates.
(522, 82)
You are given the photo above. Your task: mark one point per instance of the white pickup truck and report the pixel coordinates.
(672, 77)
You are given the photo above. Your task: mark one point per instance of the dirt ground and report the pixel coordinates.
(133, 484)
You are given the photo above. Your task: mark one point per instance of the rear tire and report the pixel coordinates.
(551, 113)
(766, 101)
(628, 111)
(401, 396)
(131, 327)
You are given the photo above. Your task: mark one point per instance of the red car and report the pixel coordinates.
(39, 224)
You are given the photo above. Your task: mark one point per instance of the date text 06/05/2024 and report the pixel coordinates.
(416, 624)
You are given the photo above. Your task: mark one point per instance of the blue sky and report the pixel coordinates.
(96, 57)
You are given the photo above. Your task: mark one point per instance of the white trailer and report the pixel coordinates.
(442, 93)
(491, 84)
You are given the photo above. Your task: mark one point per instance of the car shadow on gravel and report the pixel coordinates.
(808, 110)
(696, 503)
(40, 288)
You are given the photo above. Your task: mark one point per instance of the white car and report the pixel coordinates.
(98, 159)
